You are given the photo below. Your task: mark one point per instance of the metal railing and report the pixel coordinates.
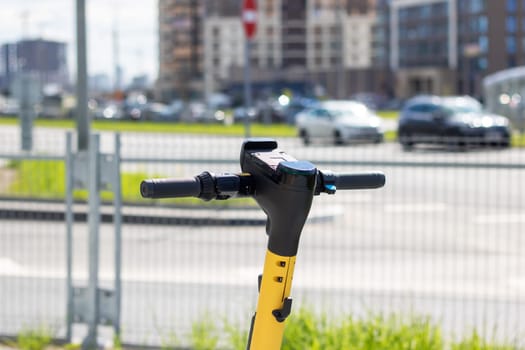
(443, 239)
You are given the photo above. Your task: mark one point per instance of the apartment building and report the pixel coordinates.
(44, 59)
(180, 47)
(447, 46)
(315, 42)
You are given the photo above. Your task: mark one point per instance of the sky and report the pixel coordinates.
(136, 23)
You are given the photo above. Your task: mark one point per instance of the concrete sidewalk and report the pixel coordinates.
(149, 215)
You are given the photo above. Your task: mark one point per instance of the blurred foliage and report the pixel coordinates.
(306, 330)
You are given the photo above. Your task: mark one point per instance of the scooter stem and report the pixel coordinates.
(285, 190)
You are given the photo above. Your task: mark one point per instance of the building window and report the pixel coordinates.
(482, 63)
(472, 6)
(510, 24)
(511, 44)
(512, 6)
(483, 24)
(426, 11)
(511, 61)
(483, 43)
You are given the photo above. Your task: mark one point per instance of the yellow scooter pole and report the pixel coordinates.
(284, 189)
(274, 303)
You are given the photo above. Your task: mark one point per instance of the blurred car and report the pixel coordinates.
(107, 109)
(454, 120)
(372, 100)
(240, 113)
(296, 106)
(9, 106)
(198, 112)
(339, 121)
(134, 106)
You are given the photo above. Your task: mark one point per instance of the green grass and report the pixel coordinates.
(306, 330)
(256, 130)
(518, 140)
(388, 114)
(45, 179)
(32, 339)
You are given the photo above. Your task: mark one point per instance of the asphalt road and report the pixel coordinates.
(441, 242)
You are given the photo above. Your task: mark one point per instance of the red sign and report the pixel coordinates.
(249, 17)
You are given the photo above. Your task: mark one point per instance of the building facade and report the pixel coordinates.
(448, 46)
(44, 59)
(316, 42)
(180, 47)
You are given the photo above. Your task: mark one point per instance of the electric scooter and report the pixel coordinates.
(284, 188)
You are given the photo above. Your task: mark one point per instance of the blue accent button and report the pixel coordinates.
(330, 188)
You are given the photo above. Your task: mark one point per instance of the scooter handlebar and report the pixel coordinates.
(169, 188)
(359, 181)
(208, 186)
(329, 181)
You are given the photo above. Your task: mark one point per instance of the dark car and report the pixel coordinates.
(454, 120)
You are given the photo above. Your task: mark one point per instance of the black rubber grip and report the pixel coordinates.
(359, 181)
(170, 188)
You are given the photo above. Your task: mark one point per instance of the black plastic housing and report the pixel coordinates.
(285, 189)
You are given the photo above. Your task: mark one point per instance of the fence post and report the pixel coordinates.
(117, 222)
(69, 234)
(92, 311)
(93, 305)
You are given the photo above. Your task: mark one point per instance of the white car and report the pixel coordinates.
(340, 122)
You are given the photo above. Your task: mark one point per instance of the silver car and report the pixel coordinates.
(339, 122)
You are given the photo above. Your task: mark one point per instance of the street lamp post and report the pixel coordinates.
(249, 20)
(82, 103)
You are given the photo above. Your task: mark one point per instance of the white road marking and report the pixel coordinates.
(502, 218)
(415, 208)
(8, 267)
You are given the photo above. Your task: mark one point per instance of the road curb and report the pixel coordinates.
(150, 215)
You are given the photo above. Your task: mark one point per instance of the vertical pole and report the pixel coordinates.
(341, 76)
(90, 342)
(27, 101)
(247, 87)
(117, 200)
(69, 235)
(82, 109)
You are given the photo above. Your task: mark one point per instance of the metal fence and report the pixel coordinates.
(443, 239)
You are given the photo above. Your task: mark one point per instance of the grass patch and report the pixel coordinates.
(388, 114)
(306, 330)
(32, 339)
(518, 140)
(45, 179)
(256, 130)
(204, 335)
